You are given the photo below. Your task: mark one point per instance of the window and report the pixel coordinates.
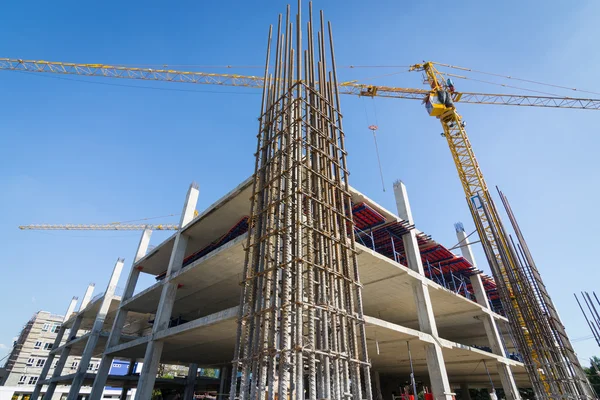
(55, 364)
(74, 364)
(45, 328)
(37, 345)
(22, 379)
(55, 328)
(30, 362)
(47, 346)
(90, 366)
(40, 362)
(32, 380)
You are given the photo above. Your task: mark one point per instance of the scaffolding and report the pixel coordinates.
(301, 331)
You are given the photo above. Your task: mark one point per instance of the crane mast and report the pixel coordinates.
(537, 330)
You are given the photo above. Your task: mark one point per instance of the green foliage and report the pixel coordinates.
(593, 374)
(209, 372)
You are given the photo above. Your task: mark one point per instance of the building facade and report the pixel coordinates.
(31, 349)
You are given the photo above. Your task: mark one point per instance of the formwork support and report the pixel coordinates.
(491, 329)
(167, 299)
(301, 330)
(94, 334)
(38, 386)
(119, 322)
(190, 382)
(435, 359)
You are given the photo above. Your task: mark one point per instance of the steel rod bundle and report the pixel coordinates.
(301, 330)
(594, 320)
(538, 332)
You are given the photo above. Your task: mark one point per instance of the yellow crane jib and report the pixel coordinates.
(100, 227)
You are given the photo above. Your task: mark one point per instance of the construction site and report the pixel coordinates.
(296, 285)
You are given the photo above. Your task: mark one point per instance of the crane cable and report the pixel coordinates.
(498, 84)
(516, 79)
(140, 219)
(373, 129)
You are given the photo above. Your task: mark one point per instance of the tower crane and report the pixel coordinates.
(539, 334)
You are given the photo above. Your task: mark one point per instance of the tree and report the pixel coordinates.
(593, 374)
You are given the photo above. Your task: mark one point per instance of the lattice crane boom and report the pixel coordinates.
(351, 88)
(100, 227)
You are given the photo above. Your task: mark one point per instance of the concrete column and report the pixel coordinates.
(120, 319)
(464, 390)
(130, 371)
(88, 351)
(440, 385)
(50, 359)
(70, 310)
(64, 355)
(377, 380)
(491, 329)
(222, 395)
(190, 382)
(87, 296)
(167, 299)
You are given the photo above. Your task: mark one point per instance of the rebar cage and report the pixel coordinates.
(301, 330)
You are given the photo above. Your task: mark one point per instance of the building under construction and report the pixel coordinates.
(427, 311)
(298, 286)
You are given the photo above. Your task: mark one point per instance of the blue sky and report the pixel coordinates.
(82, 150)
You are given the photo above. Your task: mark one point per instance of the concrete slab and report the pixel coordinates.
(78, 344)
(207, 285)
(207, 227)
(210, 341)
(388, 350)
(211, 284)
